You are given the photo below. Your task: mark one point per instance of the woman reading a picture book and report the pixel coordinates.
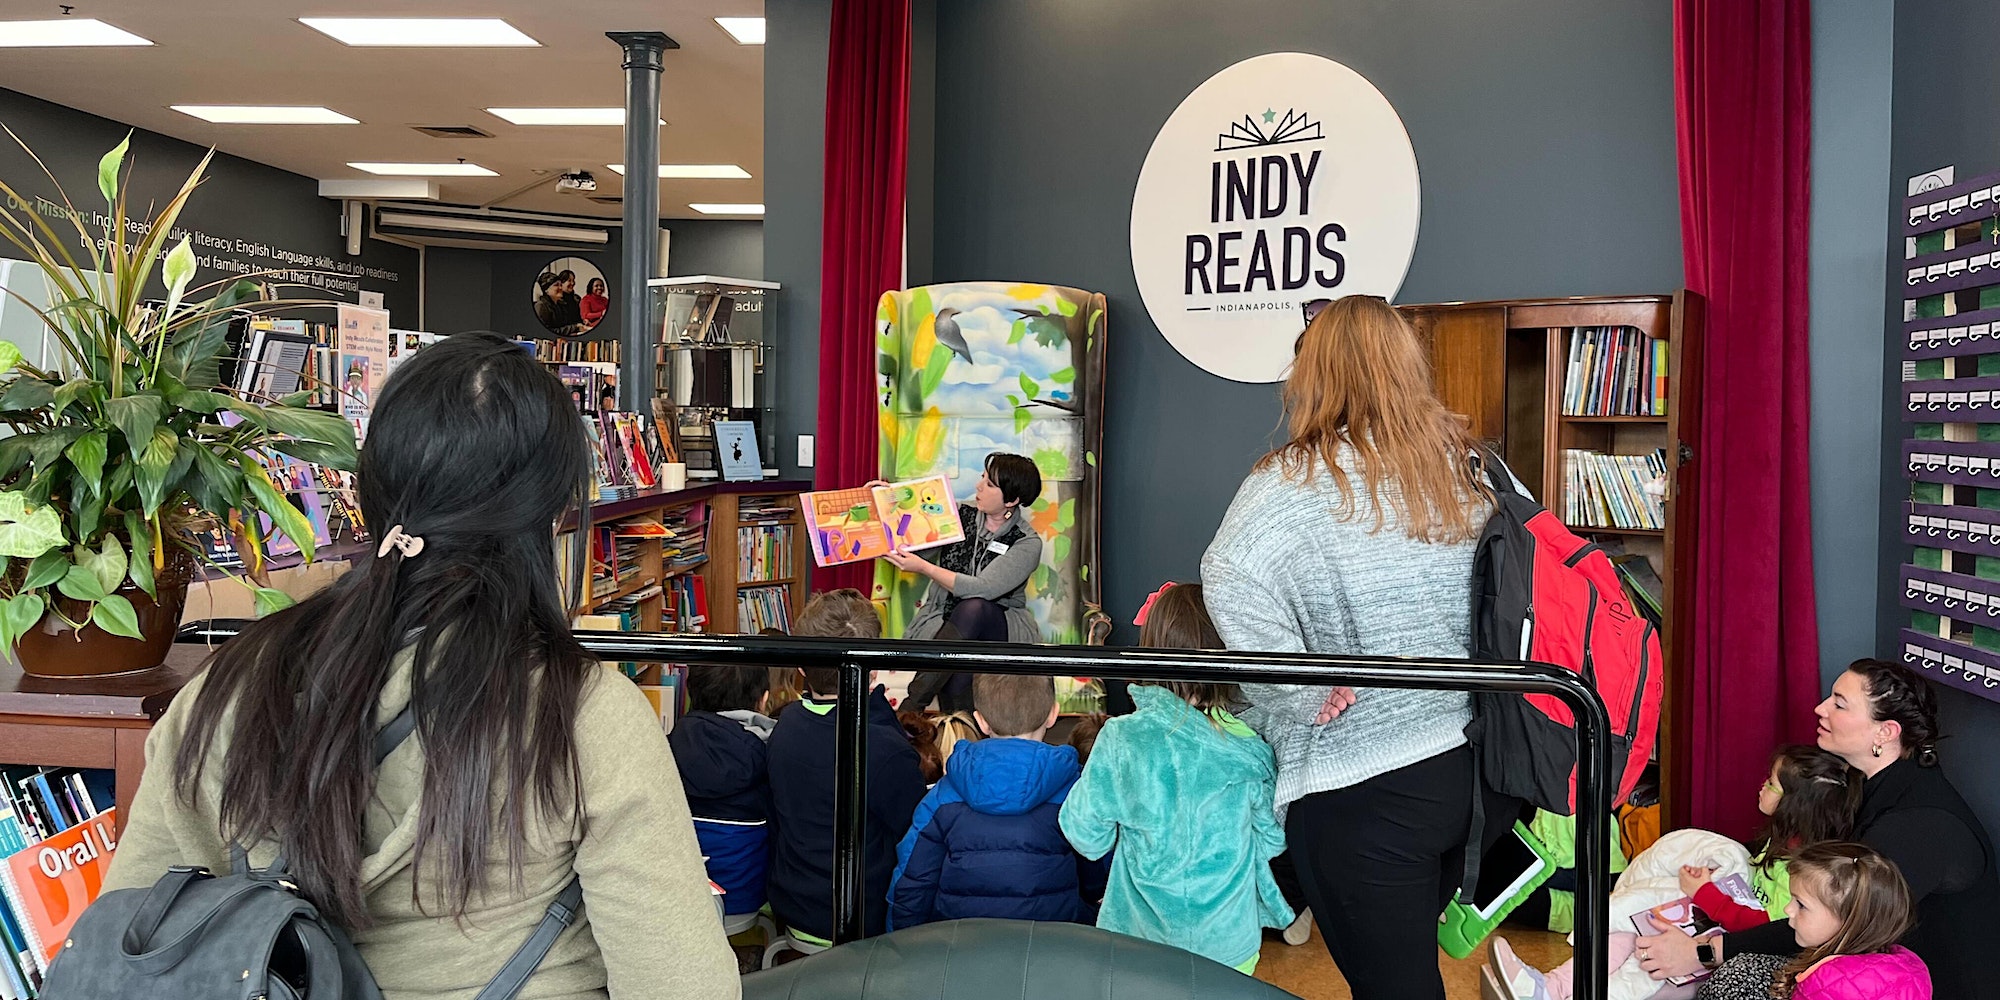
(530, 764)
(979, 586)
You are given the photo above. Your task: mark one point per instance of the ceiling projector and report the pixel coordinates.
(579, 182)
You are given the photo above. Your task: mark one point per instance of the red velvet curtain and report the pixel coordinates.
(1743, 89)
(861, 243)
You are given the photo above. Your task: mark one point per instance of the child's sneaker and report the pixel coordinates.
(1517, 979)
(1301, 929)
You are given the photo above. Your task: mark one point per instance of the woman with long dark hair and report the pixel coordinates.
(1881, 718)
(530, 763)
(1356, 537)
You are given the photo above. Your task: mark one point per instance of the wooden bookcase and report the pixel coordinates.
(1503, 365)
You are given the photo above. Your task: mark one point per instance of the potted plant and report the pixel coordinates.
(118, 451)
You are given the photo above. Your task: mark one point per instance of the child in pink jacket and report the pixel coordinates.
(1849, 907)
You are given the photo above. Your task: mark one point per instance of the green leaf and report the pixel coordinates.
(311, 425)
(81, 584)
(21, 614)
(9, 356)
(1090, 459)
(178, 268)
(1065, 306)
(933, 372)
(88, 454)
(1066, 515)
(287, 518)
(48, 444)
(67, 393)
(1021, 419)
(297, 399)
(1065, 376)
(1016, 331)
(107, 564)
(201, 400)
(153, 476)
(269, 600)
(26, 530)
(1028, 386)
(47, 568)
(87, 514)
(1062, 546)
(141, 537)
(107, 171)
(26, 393)
(114, 614)
(14, 453)
(136, 416)
(218, 485)
(1049, 331)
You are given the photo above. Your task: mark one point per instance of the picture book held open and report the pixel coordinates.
(865, 523)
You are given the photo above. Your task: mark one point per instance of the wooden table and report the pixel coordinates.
(90, 721)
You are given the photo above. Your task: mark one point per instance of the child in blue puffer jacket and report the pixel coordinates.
(720, 751)
(986, 841)
(1184, 791)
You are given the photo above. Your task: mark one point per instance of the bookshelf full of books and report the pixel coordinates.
(1585, 400)
(62, 813)
(1948, 351)
(717, 558)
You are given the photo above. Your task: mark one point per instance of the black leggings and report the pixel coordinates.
(1379, 861)
(976, 619)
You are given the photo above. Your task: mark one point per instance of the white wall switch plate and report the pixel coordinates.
(805, 451)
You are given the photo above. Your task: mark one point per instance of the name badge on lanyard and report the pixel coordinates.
(997, 548)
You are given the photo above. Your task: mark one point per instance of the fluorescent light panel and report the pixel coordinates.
(64, 32)
(746, 30)
(711, 171)
(562, 116)
(425, 169)
(420, 31)
(714, 209)
(252, 114)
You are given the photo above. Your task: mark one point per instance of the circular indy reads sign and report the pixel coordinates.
(1282, 181)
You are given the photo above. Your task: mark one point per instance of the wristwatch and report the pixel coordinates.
(1706, 953)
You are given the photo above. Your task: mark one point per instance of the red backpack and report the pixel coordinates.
(1541, 593)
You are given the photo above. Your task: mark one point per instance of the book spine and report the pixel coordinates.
(24, 925)
(14, 943)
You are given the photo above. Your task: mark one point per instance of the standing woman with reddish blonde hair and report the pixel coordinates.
(1356, 537)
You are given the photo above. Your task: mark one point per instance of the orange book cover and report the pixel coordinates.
(54, 880)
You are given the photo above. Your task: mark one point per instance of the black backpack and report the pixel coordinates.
(247, 935)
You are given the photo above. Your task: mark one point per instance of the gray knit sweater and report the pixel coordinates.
(1286, 573)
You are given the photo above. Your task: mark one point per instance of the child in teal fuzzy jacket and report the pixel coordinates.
(1183, 791)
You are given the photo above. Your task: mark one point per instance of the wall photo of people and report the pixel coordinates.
(571, 296)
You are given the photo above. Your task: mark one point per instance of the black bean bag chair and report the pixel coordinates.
(1005, 958)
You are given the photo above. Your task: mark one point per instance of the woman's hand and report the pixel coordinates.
(910, 562)
(1693, 877)
(1338, 700)
(1669, 954)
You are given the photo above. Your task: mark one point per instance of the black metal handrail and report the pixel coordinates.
(855, 658)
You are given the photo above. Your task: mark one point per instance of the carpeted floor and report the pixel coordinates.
(1307, 970)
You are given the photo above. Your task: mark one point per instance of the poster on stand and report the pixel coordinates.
(364, 362)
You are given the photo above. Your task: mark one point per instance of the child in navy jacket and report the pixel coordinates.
(724, 765)
(986, 841)
(803, 777)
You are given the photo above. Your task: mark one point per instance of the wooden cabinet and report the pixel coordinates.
(1504, 365)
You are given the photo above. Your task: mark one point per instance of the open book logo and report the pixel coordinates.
(1270, 128)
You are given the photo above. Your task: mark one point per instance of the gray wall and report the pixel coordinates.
(1544, 133)
(794, 146)
(727, 248)
(240, 200)
(1850, 212)
(458, 290)
(1945, 78)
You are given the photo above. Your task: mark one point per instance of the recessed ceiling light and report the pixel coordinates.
(562, 116)
(247, 114)
(419, 31)
(729, 171)
(425, 169)
(64, 32)
(729, 209)
(746, 30)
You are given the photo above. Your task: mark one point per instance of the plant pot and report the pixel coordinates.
(54, 649)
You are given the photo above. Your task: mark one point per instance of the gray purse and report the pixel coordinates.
(247, 935)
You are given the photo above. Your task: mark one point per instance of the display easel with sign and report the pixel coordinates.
(1590, 400)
